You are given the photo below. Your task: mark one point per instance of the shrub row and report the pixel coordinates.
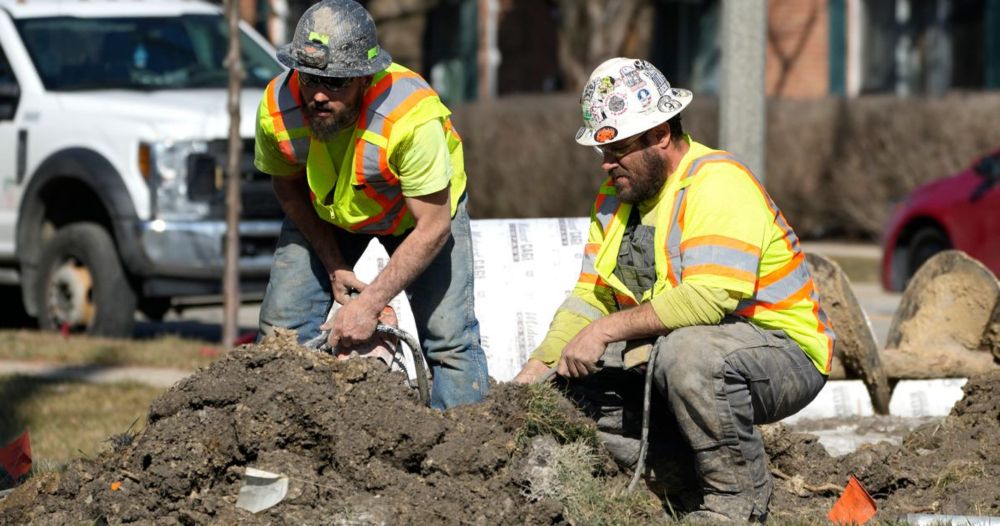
(834, 166)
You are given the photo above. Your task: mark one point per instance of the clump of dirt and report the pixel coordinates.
(353, 439)
(950, 467)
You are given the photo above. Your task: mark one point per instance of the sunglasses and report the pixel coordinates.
(619, 149)
(326, 83)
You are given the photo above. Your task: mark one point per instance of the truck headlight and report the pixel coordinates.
(169, 181)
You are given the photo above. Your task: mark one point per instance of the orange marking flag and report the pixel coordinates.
(15, 458)
(855, 505)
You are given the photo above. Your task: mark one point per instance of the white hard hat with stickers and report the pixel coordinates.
(625, 97)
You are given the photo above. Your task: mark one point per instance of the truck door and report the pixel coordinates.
(12, 155)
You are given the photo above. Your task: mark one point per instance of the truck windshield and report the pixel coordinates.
(147, 53)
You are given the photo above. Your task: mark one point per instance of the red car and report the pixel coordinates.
(961, 212)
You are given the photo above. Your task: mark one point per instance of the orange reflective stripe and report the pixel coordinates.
(592, 279)
(271, 96)
(383, 167)
(822, 329)
(624, 300)
(295, 90)
(785, 270)
(719, 270)
(591, 249)
(721, 241)
(799, 296)
(449, 128)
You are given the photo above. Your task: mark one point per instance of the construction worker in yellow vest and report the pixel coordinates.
(692, 283)
(361, 148)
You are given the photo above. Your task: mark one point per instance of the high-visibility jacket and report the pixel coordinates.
(361, 192)
(716, 226)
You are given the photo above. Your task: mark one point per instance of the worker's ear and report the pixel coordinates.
(661, 136)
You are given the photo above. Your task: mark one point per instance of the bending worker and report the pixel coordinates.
(688, 254)
(361, 148)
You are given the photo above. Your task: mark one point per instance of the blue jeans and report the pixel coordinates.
(298, 297)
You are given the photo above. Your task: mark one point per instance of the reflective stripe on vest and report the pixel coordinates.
(715, 255)
(395, 92)
(605, 210)
(789, 284)
(284, 102)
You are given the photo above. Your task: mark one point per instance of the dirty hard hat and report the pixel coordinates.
(625, 97)
(335, 38)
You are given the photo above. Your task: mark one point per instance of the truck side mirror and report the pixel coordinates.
(10, 94)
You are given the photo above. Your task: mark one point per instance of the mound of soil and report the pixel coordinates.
(950, 467)
(359, 448)
(353, 439)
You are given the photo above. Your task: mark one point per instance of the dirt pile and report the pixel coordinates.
(358, 448)
(353, 439)
(951, 467)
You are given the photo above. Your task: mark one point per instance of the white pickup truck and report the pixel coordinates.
(113, 127)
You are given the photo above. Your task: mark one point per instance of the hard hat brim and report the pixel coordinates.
(588, 137)
(379, 63)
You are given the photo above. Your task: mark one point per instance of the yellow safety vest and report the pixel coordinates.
(362, 192)
(783, 295)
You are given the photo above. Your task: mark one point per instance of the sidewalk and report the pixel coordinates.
(842, 249)
(152, 376)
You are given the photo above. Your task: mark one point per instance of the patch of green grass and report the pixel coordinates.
(167, 351)
(68, 420)
(569, 478)
(958, 472)
(545, 413)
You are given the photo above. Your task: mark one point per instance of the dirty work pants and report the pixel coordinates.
(298, 297)
(712, 384)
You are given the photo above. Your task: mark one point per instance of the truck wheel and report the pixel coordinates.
(81, 284)
(923, 245)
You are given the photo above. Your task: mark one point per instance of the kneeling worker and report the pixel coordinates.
(687, 252)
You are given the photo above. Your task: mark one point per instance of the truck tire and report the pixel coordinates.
(81, 284)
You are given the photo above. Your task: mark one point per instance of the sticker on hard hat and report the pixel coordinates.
(605, 85)
(667, 104)
(616, 104)
(632, 78)
(644, 98)
(605, 134)
(597, 112)
(659, 81)
(581, 132)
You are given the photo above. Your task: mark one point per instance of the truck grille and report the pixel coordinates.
(207, 183)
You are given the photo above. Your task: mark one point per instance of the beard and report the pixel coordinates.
(324, 128)
(644, 181)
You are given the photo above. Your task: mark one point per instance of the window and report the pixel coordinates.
(9, 93)
(148, 53)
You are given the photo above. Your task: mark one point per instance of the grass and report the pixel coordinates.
(594, 500)
(958, 472)
(169, 351)
(68, 420)
(572, 461)
(545, 414)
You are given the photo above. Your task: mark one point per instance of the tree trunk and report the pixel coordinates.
(231, 275)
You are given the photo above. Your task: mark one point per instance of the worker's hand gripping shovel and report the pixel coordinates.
(382, 345)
